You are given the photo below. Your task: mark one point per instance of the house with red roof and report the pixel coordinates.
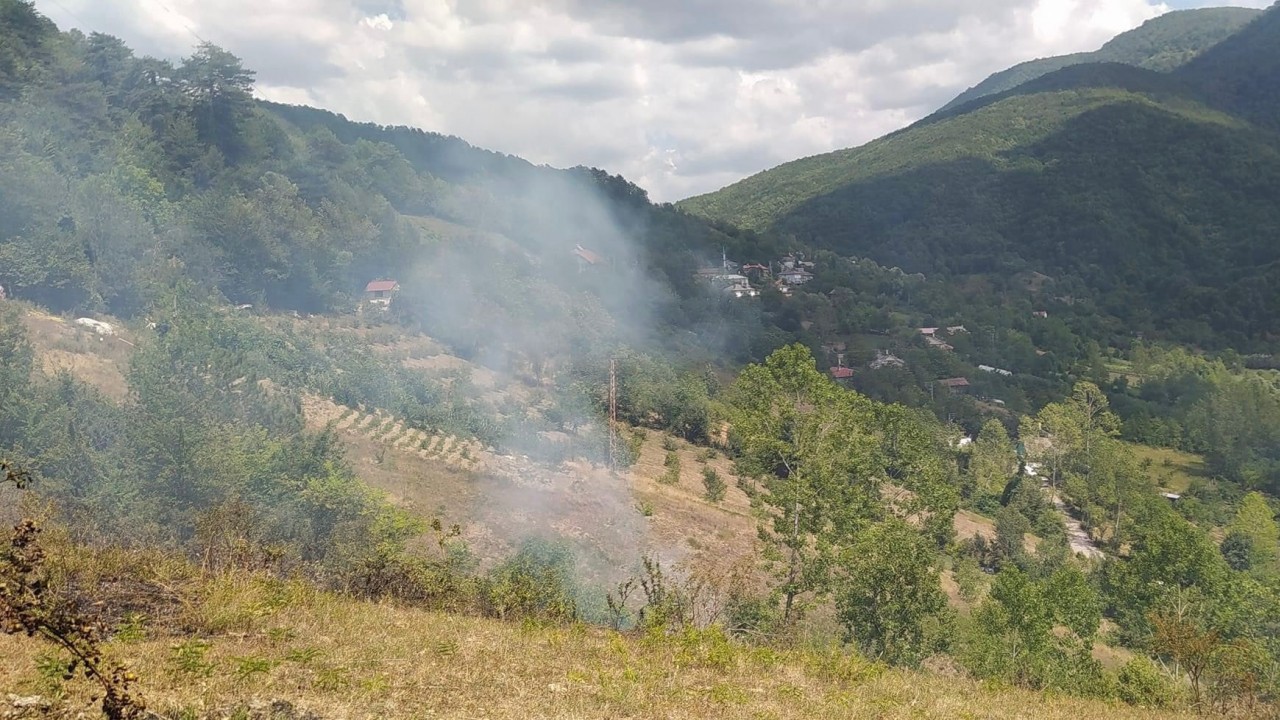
(378, 292)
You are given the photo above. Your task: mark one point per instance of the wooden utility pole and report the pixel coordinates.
(613, 413)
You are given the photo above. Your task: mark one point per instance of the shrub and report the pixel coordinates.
(537, 584)
(1141, 682)
(672, 475)
(669, 444)
(714, 484)
(751, 614)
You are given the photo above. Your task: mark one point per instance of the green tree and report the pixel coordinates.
(221, 90)
(1168, 555)
(714, 484)
(890, 592)
(810, 443)
(1256, 521)
(994, 461)
(1237, 550)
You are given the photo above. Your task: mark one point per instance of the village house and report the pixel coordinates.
(952, 330)
(796, 276)
(839, 371)
(586, 258)
(379, 292)
(955, 386)
(930, 335)
(1040, 314)
(996, 370)
(886, 359)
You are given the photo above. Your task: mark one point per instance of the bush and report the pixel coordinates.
(536, 584)
(714, 484)
(1237, 550)
(669, 444)
(751, 614)
(672, 475)
(1141, 682)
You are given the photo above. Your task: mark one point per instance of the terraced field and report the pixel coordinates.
(391, 432)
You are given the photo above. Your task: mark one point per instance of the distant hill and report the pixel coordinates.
(115, 169)
(1146, 192)
(1162, 43)
(1242, 74)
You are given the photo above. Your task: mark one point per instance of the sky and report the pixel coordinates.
(680, 96)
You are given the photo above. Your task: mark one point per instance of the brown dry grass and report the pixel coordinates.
(501, 500)
(98, 361)
(347, 659)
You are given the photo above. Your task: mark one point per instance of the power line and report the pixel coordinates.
(74, 16)
(181, 21)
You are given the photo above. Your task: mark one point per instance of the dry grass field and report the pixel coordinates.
(252, 640)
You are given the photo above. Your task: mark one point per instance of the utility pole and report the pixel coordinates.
(613, 413)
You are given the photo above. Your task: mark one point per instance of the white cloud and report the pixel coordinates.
(681, 96)
(378, 22)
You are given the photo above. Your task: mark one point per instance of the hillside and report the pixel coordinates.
(327, 656)
(1135, 191)
(158, 169)
(1162, 43)
(297, 412)
(1242, 74)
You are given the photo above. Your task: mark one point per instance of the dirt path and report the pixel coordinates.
(1077, 537)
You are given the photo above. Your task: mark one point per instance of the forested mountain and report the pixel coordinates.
(1242, 75)
(1162, 43)
(1141, 193)
(122, 173)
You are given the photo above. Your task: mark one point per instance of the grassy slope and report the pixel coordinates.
(500, 499)
(350, 659)
(986, 134)
(361, 656)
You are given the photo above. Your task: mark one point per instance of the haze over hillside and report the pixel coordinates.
(302, 418)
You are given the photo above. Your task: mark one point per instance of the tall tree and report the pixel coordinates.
(890, 592)
(16, 363)
(994, 460)
(811, 444)
(1257, 521)
(221, 91)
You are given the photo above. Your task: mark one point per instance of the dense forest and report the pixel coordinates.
(985, 338)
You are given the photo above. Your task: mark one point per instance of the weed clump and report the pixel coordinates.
(30, 604)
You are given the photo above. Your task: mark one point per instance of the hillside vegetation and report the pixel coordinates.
(1137, 192)
(557, 470)
(259, 641)
(1162, 43)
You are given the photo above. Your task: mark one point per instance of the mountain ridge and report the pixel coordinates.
(1148, 46)
(1069, 160)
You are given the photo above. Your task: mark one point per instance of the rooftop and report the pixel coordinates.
(589, 257)
(381, 286)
